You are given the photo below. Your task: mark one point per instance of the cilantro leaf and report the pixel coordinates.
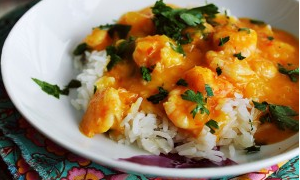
(80, 49)
(239, 56)
(121, 30)
(258, 22)
(114, 57)
(182, 82)
(72, 84)
(219, 71)
(244, 29)
(172, 22)
(252, 149)
(155, 99)
(145, 73)
(95, 89)
(190, 95)
(123, 51)
(292, 74)
(212, 124)
(224, 40)
(209, 90)
(281, 115)
(177, 48)
(54, 90)
(261, 106)
(271, 38)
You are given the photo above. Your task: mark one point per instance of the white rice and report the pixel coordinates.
(157, 134)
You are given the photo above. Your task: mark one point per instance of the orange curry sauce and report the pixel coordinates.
(255, 77)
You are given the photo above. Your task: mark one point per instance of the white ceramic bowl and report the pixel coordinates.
(41, 44)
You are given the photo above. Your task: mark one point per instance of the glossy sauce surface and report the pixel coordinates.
(255, 77)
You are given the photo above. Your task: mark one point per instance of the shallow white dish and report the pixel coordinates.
(41, 44)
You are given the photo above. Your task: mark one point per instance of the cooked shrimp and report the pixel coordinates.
(198, 77)
(236, 70)
(106, 109)
(178, 110)
(152, 50)
(98, 39)
(240, 41)
(141, 23)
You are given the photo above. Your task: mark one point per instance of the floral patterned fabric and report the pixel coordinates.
(31, 156)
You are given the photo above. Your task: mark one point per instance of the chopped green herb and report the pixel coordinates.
(80, 49)
(209, 90)
(182, 82)
(54, 90)
(239, 56)
(224, 40)
(219, 71)
(271, 38)
(190, 95)
(121, 30)
(50, 89)
(292, 74)
(145, 73)
(244, 29)
(95, 89)
(172, 22)
(212, 124)
(281, 115)
(261, 106)
(177, 48)
(123, 51)
(72, 84)
(252, 149)
(114, 57)
(258, 22)
(155, 99)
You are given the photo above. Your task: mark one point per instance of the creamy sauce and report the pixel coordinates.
(255, 77)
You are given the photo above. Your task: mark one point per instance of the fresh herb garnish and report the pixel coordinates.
(95, 89)
(182, 82)
(239, 56)
(212, 124)
(271, 38)
(292, 74)
(54, 90)
(123, 51)
(121, 30)
(219, 71)
(244, 29)
(145, 73)
(281, 115)
(80, 49)
(114, 57)
(224, 40)
(258, 22)
(190, 95)
(252, 149)
(209, 90)
(162, 94)
(177, 48)
(172, 22)
(72, 84)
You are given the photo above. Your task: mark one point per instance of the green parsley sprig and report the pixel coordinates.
(161, 95)
(55, 90)
(292, 74)
(281, 115)
(172, 22)
(117, 53)
(190, 95)
(121, 30)
(212, 124)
